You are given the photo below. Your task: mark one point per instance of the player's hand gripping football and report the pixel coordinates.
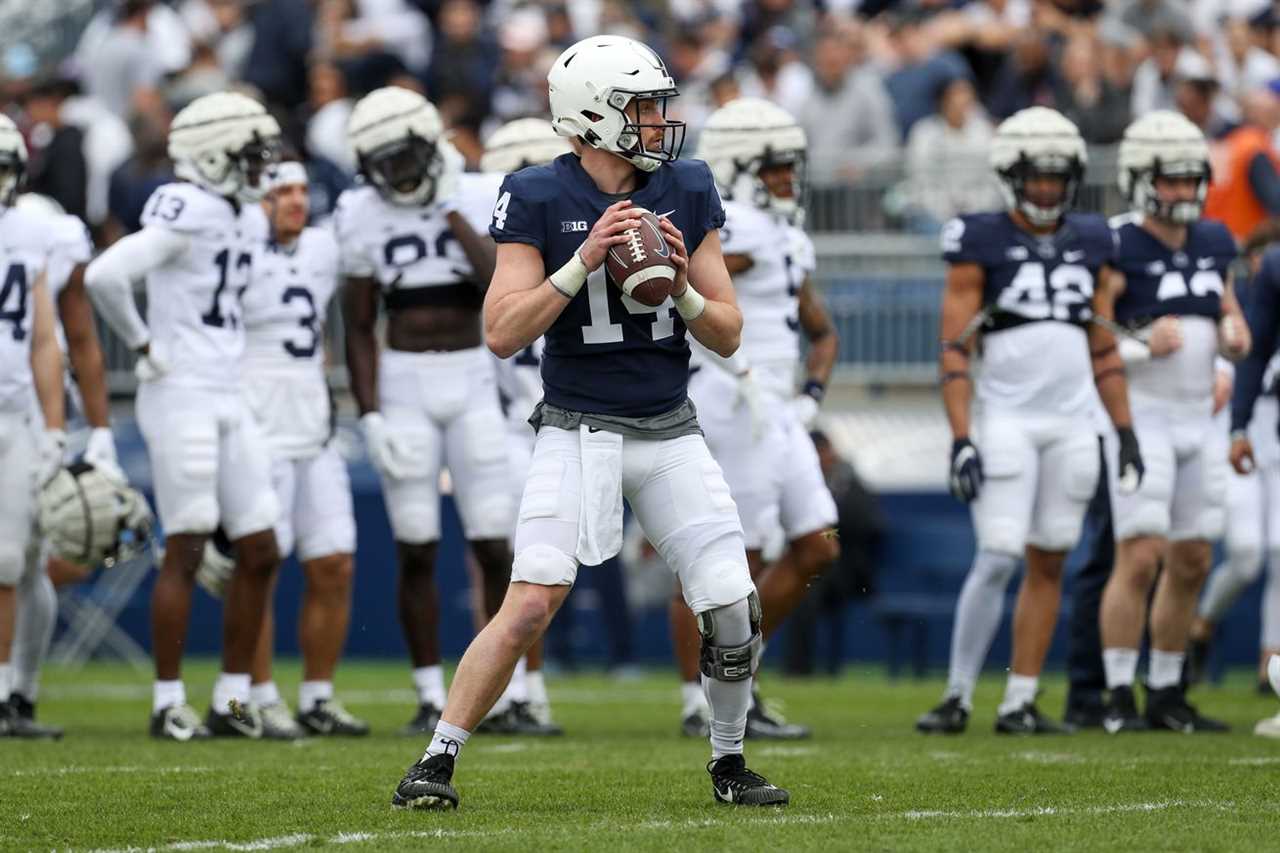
(610, 230)
(1131, 467)
(1241, 453)
(966, 470)
(679, 255)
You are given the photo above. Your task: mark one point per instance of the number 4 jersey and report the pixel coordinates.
(26, 245)
(1038, 292)
(284, 311)
(607, 354)
(193, 300)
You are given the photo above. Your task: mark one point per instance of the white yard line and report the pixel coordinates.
(107, 768)
(605, 695)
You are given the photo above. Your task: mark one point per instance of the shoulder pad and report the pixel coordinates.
(477, 193)
(534, 183)
(1122, 219)
(352, 209)
(186, 208)
(321, 243)
(969, 238)
(692, 175)
(71, 239)
(745, 230)
(1216, 237)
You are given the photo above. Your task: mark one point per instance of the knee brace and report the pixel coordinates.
(725, 656)
(544, 565)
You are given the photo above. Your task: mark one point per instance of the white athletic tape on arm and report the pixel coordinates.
(690, 304)
(570, 277)
(1133, 351)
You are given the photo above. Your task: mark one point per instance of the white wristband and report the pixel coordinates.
(689, 304)
(570, 277)
(1133, 351)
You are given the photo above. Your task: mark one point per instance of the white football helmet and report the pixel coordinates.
(13, 160)
(400, 144)
(1038, 141)
(591, 85)
(222, 142)
(746, 135)
(520, 143)
(91, 519)
(1163, 143)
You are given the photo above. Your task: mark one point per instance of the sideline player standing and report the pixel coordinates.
(1040, 272)
(1176, 293)
(430, 397)
(209, 461)
(601, 439)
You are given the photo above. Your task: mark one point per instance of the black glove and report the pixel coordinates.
(1131, 467)
(966, 470)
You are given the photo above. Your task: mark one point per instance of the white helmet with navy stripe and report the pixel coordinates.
(1163, 143)
(1032, 142)
(222, 142)
(13, 160)
(746, 135)
(401, 146)
(522, 142)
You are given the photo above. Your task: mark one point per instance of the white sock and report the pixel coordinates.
(1121, 666)
(264, 694)
(429, 681)
(1164, 669)
(230, 686)
(446, 739)
(33, 628)
(536, 688)
(520, 681)
(165, 694)
(6, 681)
(311, 693)
(1020, 690)
(692, 698)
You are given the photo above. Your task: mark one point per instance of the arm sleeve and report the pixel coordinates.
(1265, 183)
(1262, 312)
(111, 276)
(518, 218)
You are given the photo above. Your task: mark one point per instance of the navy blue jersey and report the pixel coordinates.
(1030, 278)
(607, 354)
(1261, 303)
(1159, 280)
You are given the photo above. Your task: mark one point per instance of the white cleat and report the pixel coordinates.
(1270, 727)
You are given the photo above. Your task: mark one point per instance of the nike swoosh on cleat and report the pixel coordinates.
(1177, 726)
(178, 732)
(725, 796)
(1112, 726)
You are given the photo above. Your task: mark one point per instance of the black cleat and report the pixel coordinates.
(178, 722)
(1264, 688)
(949, 718)
(22, 720)
(765, 723)
(733, 783)
(328, 717)
(528, 723)
(423, 723)
(1168, 708)
(696, 724)
(1085, 715)
(1028, 720)
(426, 785)
(1122, 713)
(1195, 666)
(244, 721)
(501, 723)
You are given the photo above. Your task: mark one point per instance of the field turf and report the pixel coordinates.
(623, 779)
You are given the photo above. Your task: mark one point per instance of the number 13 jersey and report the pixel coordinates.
(606, 353)
(1038, 291)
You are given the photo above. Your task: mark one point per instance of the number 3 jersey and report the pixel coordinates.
(606, 353)
(1187, 283)
(284, 310)
(26, 246)
(1038, 292)
(193, 300)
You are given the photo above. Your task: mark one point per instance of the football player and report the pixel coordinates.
(525, 707)
(756, 424)
(295, 275)
(31, 446)
(1175, 293)
(1033, 276)
(429, 398)
(208, 459)
(615, 421)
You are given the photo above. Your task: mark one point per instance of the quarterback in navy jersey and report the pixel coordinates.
(1175, 295)
(1032, 277)
(615, 421)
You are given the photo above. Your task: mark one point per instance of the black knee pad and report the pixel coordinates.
(724, 662)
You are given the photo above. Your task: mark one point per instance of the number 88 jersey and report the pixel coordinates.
(1038, 291)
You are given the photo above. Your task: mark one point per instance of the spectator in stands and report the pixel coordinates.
(1241, 64)
(129, 47)
(282, 42)
(1198, 96)
(520, 86)
(774, 70)
(463, 63)
(149, 167)
(1026, 79)
(56, 160)
(922, 69)
(1094, 83)
(947, 171)
(223, 27)
(848, 119)
(1245, 192)
(696, 65)
(330, 109)
(204, 76)
(1154, 19)
(1155, 79)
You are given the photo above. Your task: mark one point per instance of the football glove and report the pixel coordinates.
(748, 393)
(966, 470)
(100, 452)
(805, 408)
(1131, 467)
(385, 452)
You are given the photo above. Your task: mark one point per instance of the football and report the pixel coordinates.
(642, 266)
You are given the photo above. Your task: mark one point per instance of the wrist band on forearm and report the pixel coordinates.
(814, 389)
(570, 277)
(690, 304)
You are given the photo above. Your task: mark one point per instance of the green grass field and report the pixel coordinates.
(623, 778)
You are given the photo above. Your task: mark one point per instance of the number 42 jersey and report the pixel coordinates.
(1038, 292)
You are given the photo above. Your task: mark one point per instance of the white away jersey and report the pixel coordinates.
(193, 302)
(71, 246)
(25, 247)
(284, 312)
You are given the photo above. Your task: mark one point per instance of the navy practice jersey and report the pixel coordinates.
(1261, 303)
(1160, 281)
(606, 353)
(1028, 278)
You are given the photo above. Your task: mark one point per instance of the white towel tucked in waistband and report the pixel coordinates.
(600, 513)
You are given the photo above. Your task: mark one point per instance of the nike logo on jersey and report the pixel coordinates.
(1017, 253)
(1204, 263)
(1073, 256)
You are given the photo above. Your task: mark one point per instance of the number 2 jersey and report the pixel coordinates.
(1038, 291)
(27, 245)
(1187, 283)
(193, 300)
(284, 360)
(607, 354)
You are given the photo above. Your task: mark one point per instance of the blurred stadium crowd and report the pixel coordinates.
(900, 97)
